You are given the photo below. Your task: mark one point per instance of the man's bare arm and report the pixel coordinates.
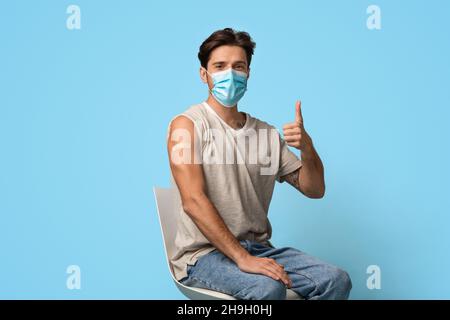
(309, 178)
(191, 184)
(292, 179)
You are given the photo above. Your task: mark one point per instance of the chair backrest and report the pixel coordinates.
(167, 205)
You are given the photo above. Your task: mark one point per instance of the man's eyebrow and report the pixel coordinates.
(223, 62)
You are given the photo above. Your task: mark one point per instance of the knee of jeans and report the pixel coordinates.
(340, 280)
(266, 289)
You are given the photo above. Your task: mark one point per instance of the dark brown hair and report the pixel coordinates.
(229, 37)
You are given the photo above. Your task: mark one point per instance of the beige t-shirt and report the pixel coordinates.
(240, 168)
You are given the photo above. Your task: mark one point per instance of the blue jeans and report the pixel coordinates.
(311, 278)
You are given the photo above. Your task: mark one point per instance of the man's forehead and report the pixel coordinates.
(228, 54)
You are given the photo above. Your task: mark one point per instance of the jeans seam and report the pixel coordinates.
(243, 296)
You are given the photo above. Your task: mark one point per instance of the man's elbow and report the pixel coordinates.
(315, 194)
(192, 203)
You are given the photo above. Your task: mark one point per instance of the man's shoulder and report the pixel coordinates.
(194, 112)
(261, 124)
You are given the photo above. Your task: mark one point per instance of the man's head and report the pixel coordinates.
(225, 49)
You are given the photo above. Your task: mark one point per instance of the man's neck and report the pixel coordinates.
(231, 116)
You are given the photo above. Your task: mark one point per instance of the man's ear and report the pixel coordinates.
(203, 75)
(248, 73)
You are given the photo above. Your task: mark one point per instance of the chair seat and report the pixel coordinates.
(194, 293)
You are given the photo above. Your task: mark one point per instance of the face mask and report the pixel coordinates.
(229, 86)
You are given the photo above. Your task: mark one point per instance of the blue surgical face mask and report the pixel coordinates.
(229, 86)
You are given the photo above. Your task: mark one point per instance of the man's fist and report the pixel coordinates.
(294, 132)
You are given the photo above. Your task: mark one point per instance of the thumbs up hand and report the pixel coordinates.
(295, 134)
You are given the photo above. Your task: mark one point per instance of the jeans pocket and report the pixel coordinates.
(190, 268)
(188, 272)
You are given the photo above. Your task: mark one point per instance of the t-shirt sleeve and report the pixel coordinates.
(289, 162)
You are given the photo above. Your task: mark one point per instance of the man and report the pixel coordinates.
(225, 164)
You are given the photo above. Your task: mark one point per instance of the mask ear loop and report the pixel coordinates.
(207, 72)
(212, 79)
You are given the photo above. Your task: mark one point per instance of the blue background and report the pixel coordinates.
(84, 116)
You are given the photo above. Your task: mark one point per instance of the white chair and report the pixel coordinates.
(166, 200)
